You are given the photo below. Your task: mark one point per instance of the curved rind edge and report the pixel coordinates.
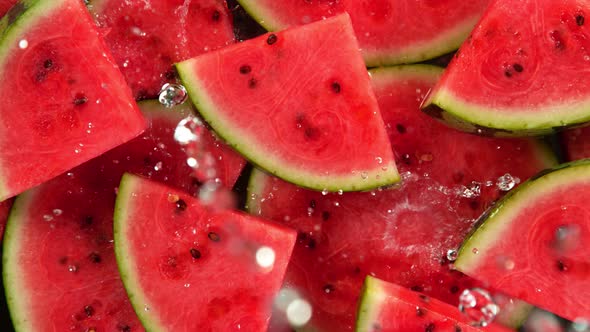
(11, 272)
(467, 260)
(371, 297)
(443, 106)
(425, 50)
(353, 182)
(123, 256)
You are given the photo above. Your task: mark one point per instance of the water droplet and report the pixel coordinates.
(506, 182)
(340, 192)
(325, 192)
(146, 308)
(57, 212)
(471, 191)
(189, 129)
(477, 304)
(172, 95)
(187, 285)
(47, 217)
(379, 160)
(158, 166)
(192, 162)
(298, 312)
(475, 251)
(265, 257)
(505, 262)
(452, 255)
(23, 43)
(73, 268)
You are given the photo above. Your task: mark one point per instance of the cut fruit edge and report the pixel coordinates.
(480, 119)
(418, 52)
(496, 222)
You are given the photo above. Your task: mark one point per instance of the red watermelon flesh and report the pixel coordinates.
(5, 5)
(389, 31)
(576, 143)
(400, 234)
(64, 100)
(189, 268)
(147, 37)
(59, 267)
(387, 307)
(4, 211)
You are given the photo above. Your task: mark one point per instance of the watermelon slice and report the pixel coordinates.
(308, 81)
(59, 265)
(538, 255)
(187, 268)
(518, 76)
(389, 31)
(576, 143)
(147, 37)
(400, 234)
(65, 101)
(387, 307)
(5, 5)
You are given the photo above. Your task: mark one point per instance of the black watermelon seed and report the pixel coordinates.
(87, 221)
(89, 311)
(196, 254)
(171, 74)
(424, 298)
(507, 73)
(417, 288)
(310, 132)
(474, 204)
(63, 260)
(95, 258)
(80, 99)
(311, 243)
(429, 328)
(181, 205)
(213, 237)
(336, 87)
(561, 266)
(312, 204)
(329, 288)
(216, 15)
(325, 215)
(419, 312)
(245, 69)
(400, 128)
(252, 83)
(580, 19)
(272, 38)
(124, 327)
(458, 328)
(454, 289)
(518, 67)
(47, 64)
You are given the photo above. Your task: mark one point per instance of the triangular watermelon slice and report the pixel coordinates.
(387, 307)
(402, 234)
(58, 259)
(188, 268)
(64, 100)
(147, 38)
(389, 31)
(299, 104)
(523, 70)
(538, 254)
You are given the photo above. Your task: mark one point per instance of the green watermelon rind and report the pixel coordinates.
(241, 142)
(124, 258)
(372, 296)
(507, 122)
(12, 271)
(426, 50)
(497, 221)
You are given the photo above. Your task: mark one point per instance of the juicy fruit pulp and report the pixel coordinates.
(549, 268)
(387, 307)
(203, 270)
(59, 265)
(146, 38)
(576, 143)
(64, 100)
(5, 5)
(389, 32)
(283, 101)
(400, 234)
(522, 71)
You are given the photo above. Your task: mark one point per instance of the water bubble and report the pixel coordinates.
(379, 160)
(477, 304)
(452, 255)
(172, 95)
(187, 285)
(158, 166)
(506, 182)
(475, 251)
(298, 312)
(73, 268)
(192, 162)
(47, 217)
(471, 191)
(23, 43)
(265, 257)
(189, 130)
(146, 308)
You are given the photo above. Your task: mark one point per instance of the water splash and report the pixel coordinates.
(452, 255)
(478, 305)
(172, 95)
(471, 191)
(506, 182)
